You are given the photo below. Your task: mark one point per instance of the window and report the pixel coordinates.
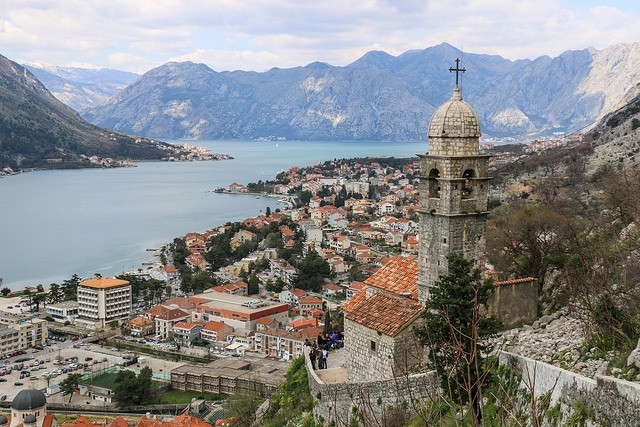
(373, 345)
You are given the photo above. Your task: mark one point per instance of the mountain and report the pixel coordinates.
(35, 126)
(377, 97)
(81, 88)
(616, 138)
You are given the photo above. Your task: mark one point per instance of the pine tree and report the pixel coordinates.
(455, 324)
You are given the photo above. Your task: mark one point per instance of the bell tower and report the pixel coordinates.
(454, 186)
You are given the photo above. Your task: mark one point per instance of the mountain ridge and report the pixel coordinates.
(38, 131)
(376, 97)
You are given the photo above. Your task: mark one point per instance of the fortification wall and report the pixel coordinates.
(615, 402)
(371, 402)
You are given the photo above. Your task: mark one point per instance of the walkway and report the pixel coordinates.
(337, 368)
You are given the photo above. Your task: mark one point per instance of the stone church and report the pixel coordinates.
(454, 185)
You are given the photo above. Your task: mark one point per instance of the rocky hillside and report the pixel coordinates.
(616, 138)
(378, 97)
(35, 126)
(81, 88)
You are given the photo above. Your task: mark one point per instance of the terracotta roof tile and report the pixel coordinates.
(360, 296)
(516, 281)
(386, 312)
(103, 283)
(399, 275)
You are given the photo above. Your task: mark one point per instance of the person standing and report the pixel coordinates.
(325, 355)
(312, 356)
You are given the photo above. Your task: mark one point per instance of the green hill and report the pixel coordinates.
(36, 128)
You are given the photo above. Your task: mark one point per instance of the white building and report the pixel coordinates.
(63, 312)
(103, 300)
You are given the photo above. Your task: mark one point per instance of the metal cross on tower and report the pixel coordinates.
(457, 70)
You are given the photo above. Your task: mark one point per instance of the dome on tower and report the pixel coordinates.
(454, 119)
(3, 420)
(28, 399)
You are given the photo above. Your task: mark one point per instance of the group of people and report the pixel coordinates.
(319, 350)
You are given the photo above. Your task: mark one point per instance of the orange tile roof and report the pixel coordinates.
(81, 422)
(298, 292)
(360, 296)
(118, 422)
(303, 323)
(140, 321)
(355, 285)
(187, 325)
(399, 275)
(516, 281)
(186, 420)
(213, 326)
(103, 283)
(173, 314)
(310, 300)
(157, 310)
(386, 312)
(181, 302)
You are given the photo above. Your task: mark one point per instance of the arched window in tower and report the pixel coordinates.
(434, 185)
(467, 185)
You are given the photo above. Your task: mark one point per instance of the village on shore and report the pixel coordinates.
(233, 295)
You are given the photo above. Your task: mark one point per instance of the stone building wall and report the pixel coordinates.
(442, 235)
(385, 358)
(454, 146)
(616, 402)
(515, 304)
(384, 402)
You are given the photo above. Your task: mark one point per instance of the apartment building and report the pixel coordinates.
(21, 333)
(102, 301)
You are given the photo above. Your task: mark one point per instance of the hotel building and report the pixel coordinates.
(102, 301)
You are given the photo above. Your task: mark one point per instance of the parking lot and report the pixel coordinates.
(54, 359)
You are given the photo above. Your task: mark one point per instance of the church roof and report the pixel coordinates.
(356, 299)
(28, 399)
(455, 118)
(386, 313)
(400, 276)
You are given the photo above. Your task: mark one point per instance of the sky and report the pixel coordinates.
(257, 35)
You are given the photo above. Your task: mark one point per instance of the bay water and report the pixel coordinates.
(57, 223)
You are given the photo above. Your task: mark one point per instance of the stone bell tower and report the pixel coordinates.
(453, 190)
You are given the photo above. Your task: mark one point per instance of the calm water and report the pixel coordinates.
(57, 223)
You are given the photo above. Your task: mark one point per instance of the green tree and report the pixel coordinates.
(254, 285)
(55, 294)
(5, 291)
(528, 241)
(70, 384)
(70, 288)
(275, 286)
(454, 326)
(132, 389)
(327, 323)
(243, 407)
(313, 269)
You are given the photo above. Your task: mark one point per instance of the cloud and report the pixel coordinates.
(261, 34)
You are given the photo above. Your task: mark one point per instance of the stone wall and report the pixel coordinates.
(391, 357)
(387, 402)
(615, 402)
(515, 304)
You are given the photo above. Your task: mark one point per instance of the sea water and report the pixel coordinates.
(57, 223)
